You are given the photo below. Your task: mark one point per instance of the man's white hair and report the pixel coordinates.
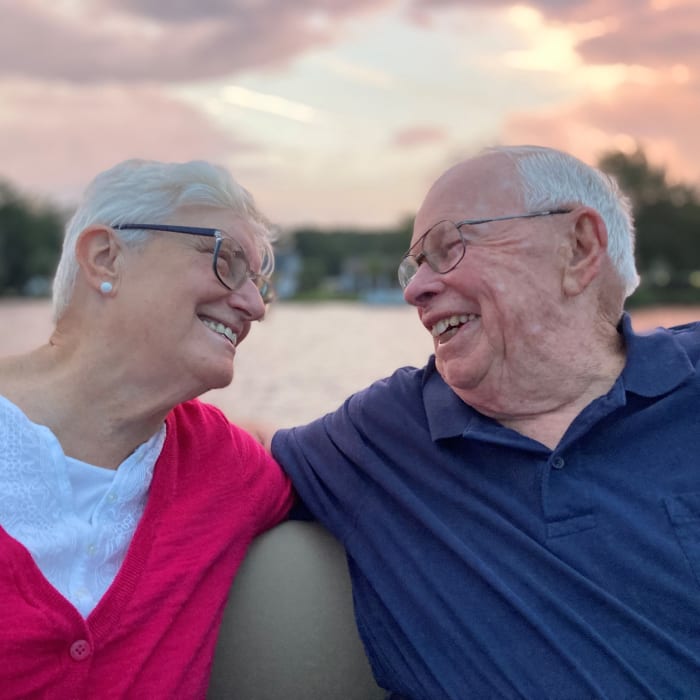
(144, 191)
(553, 179)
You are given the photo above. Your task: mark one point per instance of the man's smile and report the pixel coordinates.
(451, 323)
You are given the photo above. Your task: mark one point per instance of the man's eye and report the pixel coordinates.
(454, 243)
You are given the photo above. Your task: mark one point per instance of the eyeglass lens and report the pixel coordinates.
(232, 269)
(442, 247)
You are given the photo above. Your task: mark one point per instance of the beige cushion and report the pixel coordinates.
(289, 631)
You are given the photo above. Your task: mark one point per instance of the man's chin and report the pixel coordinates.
(458, 374)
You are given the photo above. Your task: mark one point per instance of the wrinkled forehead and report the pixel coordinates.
(246, 234)
(479, 188)
(250, 237)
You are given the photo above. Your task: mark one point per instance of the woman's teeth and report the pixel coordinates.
(452, 322)
(221, 329)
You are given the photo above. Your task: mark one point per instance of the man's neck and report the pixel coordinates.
(542, 402)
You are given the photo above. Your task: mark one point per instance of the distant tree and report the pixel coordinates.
(644, 183)
(370, 257)
(667, 218)
(30, 241)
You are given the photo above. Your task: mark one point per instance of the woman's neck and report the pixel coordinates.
(95, 412)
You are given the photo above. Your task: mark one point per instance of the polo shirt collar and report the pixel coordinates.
(448, 416)
(656, 361)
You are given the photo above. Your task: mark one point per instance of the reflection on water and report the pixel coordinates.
(303, 360)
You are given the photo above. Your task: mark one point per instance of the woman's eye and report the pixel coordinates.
(223, 261)
(204, 247)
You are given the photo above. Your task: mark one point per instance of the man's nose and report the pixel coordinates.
(425, 284)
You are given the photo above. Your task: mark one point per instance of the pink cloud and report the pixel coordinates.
(662, 119)
(419, 135)
(187, 40)
(55, 140)
(649, 37)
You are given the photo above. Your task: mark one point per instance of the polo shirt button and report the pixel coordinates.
(558, 462)
(80, 650)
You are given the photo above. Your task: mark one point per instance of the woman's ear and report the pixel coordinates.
(98, 251)
(588, 244)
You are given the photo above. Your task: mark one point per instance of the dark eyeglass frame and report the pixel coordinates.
(263, 283)
(410, 262)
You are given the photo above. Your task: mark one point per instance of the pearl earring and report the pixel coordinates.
(106, 287)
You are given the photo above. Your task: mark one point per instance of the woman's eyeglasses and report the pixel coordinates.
(229, 262)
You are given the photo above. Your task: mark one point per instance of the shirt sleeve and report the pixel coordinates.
(333, 461)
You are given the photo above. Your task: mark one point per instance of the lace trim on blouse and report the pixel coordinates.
(76, 523)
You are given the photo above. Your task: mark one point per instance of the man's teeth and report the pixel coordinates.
(453, 321)
(221, 329)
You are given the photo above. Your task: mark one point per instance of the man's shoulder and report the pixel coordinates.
(406, 377)
(688, 336)
(403, 386)
(665, 339)
(688, 329)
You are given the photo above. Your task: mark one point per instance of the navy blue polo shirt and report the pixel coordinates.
(485, 565)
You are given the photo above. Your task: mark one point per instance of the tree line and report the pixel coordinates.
(31, 233)
(344, 262)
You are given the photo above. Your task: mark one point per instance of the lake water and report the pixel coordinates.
(304, 359)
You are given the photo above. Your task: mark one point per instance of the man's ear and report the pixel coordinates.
(98, 252)
(587, 247)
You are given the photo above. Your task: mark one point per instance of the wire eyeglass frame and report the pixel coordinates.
(408, 267)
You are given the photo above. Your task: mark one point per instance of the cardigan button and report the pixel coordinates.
(80, 650)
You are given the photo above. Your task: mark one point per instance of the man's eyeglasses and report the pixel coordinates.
(443, 246)
(229, 262)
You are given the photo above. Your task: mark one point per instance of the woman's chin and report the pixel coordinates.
(224, 379)
(216, 378)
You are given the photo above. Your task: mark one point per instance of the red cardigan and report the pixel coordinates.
(153, 633)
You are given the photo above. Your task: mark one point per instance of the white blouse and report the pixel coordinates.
(76, 519)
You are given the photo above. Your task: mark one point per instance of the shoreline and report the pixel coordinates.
(296, 366)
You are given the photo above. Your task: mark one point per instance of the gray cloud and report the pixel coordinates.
(246, 11)
(182, 40)
(192, 40)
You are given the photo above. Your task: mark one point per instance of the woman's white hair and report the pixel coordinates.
(144, 191)
(552, 179)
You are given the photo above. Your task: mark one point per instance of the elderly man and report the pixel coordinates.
(521, 515)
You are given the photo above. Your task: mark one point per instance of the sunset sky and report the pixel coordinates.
(339, 111)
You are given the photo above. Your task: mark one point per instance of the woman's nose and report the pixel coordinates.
(247, 299)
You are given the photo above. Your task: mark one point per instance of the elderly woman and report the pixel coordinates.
(126, 505)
